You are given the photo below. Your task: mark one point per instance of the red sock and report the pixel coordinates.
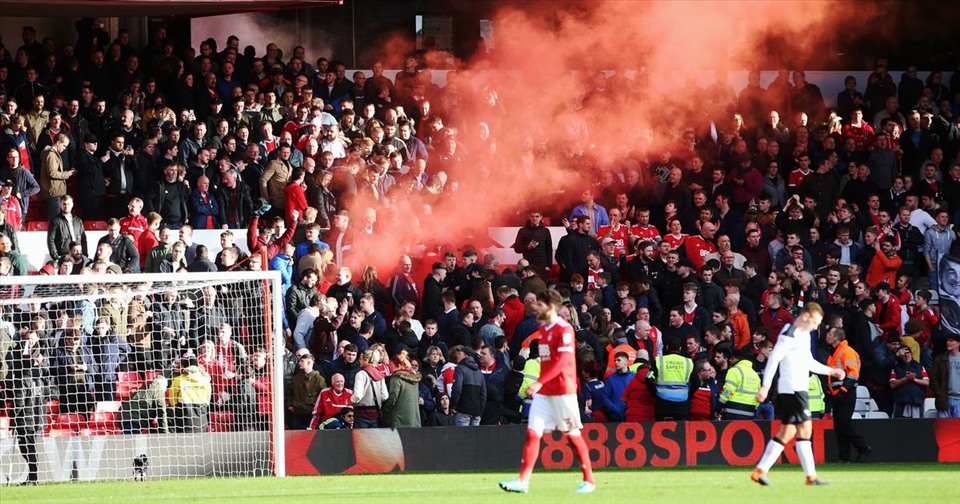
(583, 453)
(531, 451)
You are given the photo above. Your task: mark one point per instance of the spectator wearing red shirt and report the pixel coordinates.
(861, 132)
(697, 248)
(797, 175)
(296, 193)
(134, 223)
(888, 309)
(13, 212)
(331, 400)
(926, 314)
(774, 317)
(148, 239)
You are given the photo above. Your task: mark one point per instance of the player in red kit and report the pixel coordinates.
(554, 395)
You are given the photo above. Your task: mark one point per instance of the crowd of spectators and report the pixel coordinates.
(705, 248)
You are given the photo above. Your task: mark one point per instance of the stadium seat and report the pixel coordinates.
(856, 416)
(934, 296)
(4, 427)
(38, 225)
(103, 421)
(68, 424)
(52, 409)
(865, 405)
(876, 415)
(95, 225)
(863, 392)
(929, 404)
(930, 413)
(127, 384)
(221, 421)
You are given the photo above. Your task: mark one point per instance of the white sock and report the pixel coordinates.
(770, 454)
(805, 453)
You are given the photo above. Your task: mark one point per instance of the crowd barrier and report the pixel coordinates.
(624, 445)
(33, 244)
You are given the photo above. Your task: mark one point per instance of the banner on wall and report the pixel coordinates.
(624, 445)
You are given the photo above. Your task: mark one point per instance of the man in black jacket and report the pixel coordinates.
(534, 243)
(234, 199)
(572, 250)
(119, 174)
(65, 228)
(90, 181)
(432, 305)
(169, 198)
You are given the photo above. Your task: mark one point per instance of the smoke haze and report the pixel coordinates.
(556, 123)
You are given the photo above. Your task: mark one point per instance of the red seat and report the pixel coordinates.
(127, 384)
(221, 421)
(38, 226)
(69, 422)
(104, 423)
(95, 225)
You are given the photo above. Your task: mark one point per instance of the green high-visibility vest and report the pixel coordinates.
(815, 395)
(742, 385)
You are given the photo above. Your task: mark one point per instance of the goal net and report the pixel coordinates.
(112, 377)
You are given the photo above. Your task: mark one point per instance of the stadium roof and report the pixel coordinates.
(128, 8)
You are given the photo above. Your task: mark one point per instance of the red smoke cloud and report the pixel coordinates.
(556, 122)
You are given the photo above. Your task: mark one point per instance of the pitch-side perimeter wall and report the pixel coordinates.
(660, 444)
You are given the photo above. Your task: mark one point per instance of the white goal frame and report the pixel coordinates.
(275, 341)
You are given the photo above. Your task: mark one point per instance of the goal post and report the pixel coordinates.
(108, 377)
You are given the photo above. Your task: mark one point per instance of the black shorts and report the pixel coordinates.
(793, 408)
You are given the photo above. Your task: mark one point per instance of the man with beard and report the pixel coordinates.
(535, 243)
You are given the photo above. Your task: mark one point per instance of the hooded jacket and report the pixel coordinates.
(469, 392)
(402, 408)
(370, 388)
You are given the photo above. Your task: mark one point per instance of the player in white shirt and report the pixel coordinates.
(792, 356)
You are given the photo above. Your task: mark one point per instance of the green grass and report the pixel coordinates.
(874, 483)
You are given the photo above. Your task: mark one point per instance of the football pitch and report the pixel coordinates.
(870, 483)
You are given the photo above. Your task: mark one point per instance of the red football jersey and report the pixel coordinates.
(674, 241)
(329, 403)
(698, 249)
(796, 177)
(619, 237)
(558, 363)
(646, 233)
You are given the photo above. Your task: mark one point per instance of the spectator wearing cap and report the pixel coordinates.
(24, 186)
(90, 181)
(909, 382)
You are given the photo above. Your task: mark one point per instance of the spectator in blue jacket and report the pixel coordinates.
(614, 386)
(204, 210)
